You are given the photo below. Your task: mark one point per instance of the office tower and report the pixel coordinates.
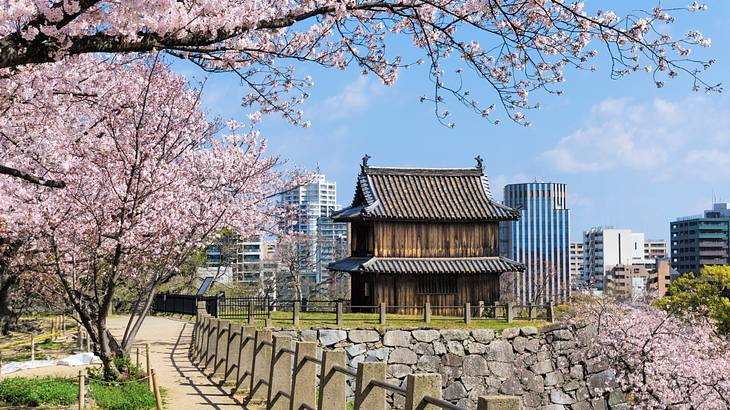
(576, 264)
(604, 248)
(701, 240)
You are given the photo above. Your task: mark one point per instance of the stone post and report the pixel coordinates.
(382, 313)
(510, 312)
(427, 312)
(339, 313)
(261, 365)
(481, 308)
(303, 389)
(221, 349)
(233, 352)
(367, 396)
(499, 403)
(281, 375)
(333, 384)
(245, 358)
(295, 313)
(467, 313)
(550, 312)
(419, 386)
(212, 343)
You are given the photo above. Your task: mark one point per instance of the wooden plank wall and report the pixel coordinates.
(425, 239)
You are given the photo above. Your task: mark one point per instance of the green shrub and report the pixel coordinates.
(18, 391)
(126, 396)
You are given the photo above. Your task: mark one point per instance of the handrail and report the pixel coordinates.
(442, 403)
(389, 386)
(345, 371)
(313, 359)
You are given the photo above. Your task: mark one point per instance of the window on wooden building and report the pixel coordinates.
(436, 284)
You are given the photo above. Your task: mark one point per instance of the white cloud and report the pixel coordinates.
(655, 136)
(354, 97)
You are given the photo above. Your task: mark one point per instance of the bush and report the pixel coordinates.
(18, 391)
(127, 396)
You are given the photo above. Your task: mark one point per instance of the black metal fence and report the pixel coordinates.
(185, 304)
(243, 307)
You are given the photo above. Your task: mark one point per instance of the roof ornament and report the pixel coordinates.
(365, 161)
(480, 162)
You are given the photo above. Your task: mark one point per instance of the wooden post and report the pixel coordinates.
(251, 320)
(333, 384)
(156, 390)
(499, 403)
(82, 390)
(339, 313)
(303, 389)
(550, 312)
(32, 347)
(281, 375)
(367, 396)
(419, 386)
(261, 365)
(481, 308)
(427, 312)
(467, 313)
(382, 313)
(295, 313)
(147, 363)
(245, 358)
(510, 312)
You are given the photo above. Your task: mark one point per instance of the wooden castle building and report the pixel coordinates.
(424, 235)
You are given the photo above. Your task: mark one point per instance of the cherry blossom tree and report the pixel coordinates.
(148, 181)
(515, 47)
(661, 361)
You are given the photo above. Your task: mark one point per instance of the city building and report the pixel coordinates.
(701, 240)
(540, 240)
(576, 264)
(655, 249)
(424, 235)
(604, 248)
(661, 277)
(316, 202)
(627, 282)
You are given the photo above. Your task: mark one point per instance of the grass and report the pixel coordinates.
(371, 320)
(53, 391)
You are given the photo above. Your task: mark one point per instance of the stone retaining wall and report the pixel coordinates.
(548, 368)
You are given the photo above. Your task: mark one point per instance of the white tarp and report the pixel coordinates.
(79, 359)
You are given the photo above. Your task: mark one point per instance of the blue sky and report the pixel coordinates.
(632, 155)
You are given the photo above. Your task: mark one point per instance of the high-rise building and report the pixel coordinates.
(655, 249)
(701, 240)
(540, 240)
(604, 248)
(316, 202)
(576, 264)
(633, 281)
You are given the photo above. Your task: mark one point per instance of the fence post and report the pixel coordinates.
(419, 386)
(467, 313)
(251, 320)
(82, 389)
(212, 343)
(245, 358)
(148, 369)
(261, 365)
(156, 390)
(268, 322)
(32, 347)
(499, 403)
(382, 313)
(333, 384)
(203, 340)
(339, 313)
(221, 349)
(303, 389)
(137, 359)
(367, 396)
(550, 312)
(281, 375)
(232, 354)
(427, 312)
(510, 312)
(295, 313)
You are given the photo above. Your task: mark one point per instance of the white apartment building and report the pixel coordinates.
(576, 263)
(316, 202)
(604, 248)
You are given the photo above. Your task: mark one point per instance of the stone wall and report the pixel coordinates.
(548, 367)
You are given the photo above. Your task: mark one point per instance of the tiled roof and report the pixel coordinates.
(451, 194)
(426, 265)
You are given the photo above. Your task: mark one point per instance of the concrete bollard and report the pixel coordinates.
(211, 344)
(295, 313)
(221, 349)
(303, 389)
(510, 312)
(232, 354)
(245, 358)
(367, 396)
(427, 312)
(339, 314)
(333, 384)
(419, 386)
(261, 366)
(499, 403)
(281, 375)
(467, 313)
(382, 313)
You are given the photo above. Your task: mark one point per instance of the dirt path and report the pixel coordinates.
(169, 340)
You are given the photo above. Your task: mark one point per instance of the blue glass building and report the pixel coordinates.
(540, 240)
